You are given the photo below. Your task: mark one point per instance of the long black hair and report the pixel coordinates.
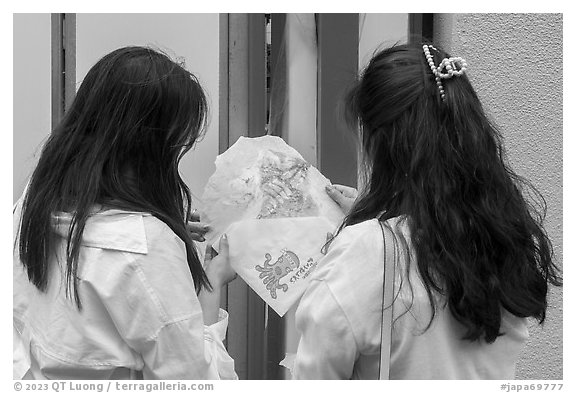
(135, 115)
(478, 240)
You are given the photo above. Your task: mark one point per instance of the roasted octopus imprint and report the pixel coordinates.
(271, 274)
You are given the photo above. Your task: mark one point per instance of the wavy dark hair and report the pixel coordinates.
(478, 241)
(135, 115)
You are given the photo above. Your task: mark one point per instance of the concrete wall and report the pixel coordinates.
(515, 64)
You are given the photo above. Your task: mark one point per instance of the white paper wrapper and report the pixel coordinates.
(273, 206)
(264, 178)
(276, 258)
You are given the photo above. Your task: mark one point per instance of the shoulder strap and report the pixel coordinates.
(386, 329)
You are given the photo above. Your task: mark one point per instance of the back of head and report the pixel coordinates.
(136, 112)
(134, 116)
(398, 92)
(432, 155)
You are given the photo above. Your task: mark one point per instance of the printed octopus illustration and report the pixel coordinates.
(272, 273)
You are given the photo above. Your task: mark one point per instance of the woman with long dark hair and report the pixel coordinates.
(472, 260)
(107, 280)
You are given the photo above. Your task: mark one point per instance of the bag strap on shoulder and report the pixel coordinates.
(387, 301)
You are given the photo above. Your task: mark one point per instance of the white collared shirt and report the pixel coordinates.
(339, 318)
(140, 315)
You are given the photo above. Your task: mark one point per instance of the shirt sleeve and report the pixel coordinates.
(153, 304)
(189, 350)
(220, 362)
(327, 348)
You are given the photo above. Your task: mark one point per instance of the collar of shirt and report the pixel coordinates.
(111, 229)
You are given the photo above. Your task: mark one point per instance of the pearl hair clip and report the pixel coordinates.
(448, 67)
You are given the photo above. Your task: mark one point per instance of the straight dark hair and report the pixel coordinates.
(135, 115)
(478, 241)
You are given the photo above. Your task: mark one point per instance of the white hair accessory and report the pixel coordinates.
(448, 67)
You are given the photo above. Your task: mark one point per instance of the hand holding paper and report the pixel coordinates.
(344, 196)
(277, 257)
(217, 264)
(277, 215)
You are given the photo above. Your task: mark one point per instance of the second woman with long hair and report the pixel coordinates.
(472, 260)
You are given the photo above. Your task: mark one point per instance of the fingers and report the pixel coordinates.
(197, 230)
(343, 196)
(195, 215)
(209, 254)
(349, 192)
(217, 264)
(336, 195)
(223, 250)
(198, 227)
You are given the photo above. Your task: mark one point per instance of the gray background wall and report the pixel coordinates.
(515, 64)
(31, 94)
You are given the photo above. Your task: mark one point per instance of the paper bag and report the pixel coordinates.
(277, 257)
